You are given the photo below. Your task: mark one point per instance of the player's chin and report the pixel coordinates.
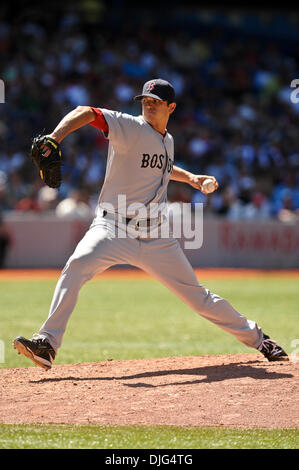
(149, 115)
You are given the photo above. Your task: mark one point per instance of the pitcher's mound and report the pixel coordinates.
(241, 390)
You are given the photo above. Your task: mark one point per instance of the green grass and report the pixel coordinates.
(139, 319)
(143, 437)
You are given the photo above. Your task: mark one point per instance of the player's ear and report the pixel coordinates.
(171, 107)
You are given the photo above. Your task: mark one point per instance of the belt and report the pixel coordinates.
(141, 223)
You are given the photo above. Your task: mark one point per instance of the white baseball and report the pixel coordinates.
(208, 186)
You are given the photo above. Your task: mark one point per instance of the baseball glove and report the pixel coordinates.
(49, 167)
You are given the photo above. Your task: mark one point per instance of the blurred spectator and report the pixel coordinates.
(257, 208)
(5, 242)
(288, 215)
(4, 202)
(235, 118)
(47, 198)
(27, 204)
(75, 205)
(16, 188)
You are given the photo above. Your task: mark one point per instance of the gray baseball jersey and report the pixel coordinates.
(139, 166)
(139, 162)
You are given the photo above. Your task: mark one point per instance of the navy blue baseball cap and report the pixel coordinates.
(158, 89)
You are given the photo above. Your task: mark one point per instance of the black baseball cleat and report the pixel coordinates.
(37, 349)
(271, 350)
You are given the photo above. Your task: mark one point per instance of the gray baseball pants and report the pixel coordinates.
(162, 258)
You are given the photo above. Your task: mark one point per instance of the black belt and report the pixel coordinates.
(147, 223)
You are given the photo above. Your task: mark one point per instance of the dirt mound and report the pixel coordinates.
(242, 390)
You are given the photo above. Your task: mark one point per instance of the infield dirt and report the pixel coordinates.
(241, 390)
(238, 390)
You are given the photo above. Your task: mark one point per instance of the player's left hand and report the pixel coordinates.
(196, 181)
(46, 155)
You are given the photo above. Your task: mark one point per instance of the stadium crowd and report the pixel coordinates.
(234, 119)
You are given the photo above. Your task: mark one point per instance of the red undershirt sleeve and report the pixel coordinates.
(99, 122)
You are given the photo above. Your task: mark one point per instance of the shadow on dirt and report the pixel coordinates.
(206, 374)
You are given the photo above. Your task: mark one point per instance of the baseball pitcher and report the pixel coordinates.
(140, 165)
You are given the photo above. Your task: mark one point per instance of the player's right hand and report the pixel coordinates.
(197, 180)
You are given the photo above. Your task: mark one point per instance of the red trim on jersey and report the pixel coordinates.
(99, 122)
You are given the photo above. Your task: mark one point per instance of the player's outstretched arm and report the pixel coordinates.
(75, 119)
(196, 181)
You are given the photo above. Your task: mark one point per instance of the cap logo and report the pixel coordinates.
(151, 85)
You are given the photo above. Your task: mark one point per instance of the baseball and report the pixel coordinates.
(208, 186)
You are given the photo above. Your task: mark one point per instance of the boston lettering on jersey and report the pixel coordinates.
(156, 161)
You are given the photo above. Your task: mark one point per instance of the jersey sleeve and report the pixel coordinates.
(99, 122)
(123, 129)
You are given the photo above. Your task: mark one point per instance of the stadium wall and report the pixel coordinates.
(47, 242)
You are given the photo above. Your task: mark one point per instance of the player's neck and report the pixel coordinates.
(159, 127)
